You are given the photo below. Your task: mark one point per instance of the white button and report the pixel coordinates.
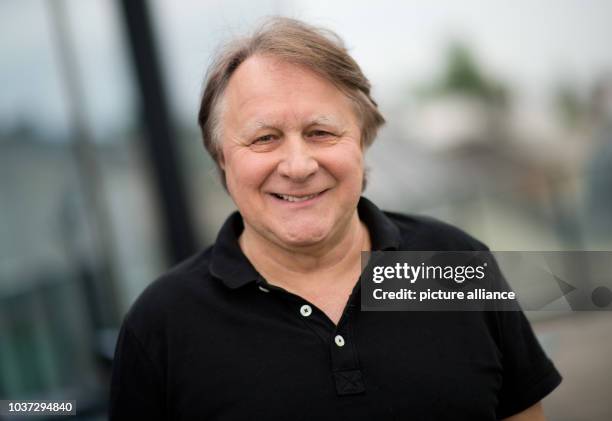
(306, 310)
(263, 289)
(339, 340)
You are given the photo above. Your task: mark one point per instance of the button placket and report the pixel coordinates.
(347, 374)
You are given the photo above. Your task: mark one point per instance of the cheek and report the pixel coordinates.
(246, 172)
(347, 166)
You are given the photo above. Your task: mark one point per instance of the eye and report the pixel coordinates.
(320, 134)
(264, 139)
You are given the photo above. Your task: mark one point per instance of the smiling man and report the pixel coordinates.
(265, 324)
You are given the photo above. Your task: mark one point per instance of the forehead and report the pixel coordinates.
(270, 89)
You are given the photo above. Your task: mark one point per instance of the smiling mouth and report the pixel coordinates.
(291, 198)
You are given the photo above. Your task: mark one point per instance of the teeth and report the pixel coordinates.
(295, 198)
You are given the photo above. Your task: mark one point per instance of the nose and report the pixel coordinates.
(297, 162)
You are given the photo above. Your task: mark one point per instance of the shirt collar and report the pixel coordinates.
(384, 234)
(231, 266)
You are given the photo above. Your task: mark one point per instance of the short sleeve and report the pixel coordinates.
(136, 391)
(528, 374)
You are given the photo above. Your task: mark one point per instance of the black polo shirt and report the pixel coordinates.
(212, 340)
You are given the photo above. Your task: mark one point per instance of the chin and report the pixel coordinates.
(304, 237)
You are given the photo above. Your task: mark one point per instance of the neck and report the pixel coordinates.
(291, 267)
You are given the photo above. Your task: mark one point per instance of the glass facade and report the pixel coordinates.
(79, 232)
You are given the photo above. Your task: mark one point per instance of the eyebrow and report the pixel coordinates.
(317, 120)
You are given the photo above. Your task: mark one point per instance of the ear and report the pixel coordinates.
(221, 159)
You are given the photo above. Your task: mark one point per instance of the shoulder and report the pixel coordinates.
(171, 291)
(419, 232)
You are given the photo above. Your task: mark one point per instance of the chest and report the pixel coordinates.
(331, 303)
(290, 371)
(327, 292)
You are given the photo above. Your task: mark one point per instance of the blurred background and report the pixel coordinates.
(499, 121)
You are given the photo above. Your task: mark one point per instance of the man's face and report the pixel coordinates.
(291, 152)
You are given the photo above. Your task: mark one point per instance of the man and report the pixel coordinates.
(265, 324)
